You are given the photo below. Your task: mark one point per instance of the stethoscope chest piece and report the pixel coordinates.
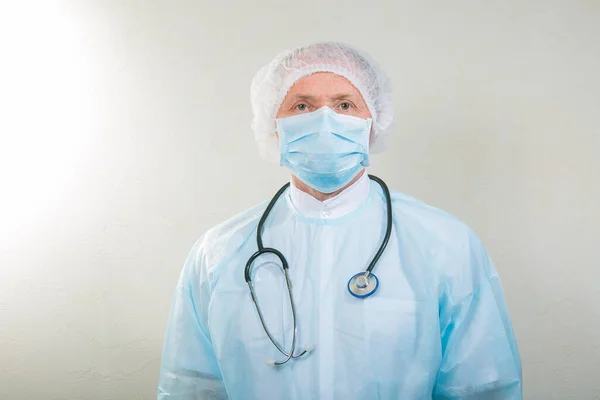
(363, 284)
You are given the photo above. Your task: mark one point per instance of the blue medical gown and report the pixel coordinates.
(436, 328)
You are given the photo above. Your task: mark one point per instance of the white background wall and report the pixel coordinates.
(124, 134)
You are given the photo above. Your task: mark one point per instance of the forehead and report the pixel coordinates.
(323, 84)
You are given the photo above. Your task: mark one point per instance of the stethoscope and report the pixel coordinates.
(361, 285)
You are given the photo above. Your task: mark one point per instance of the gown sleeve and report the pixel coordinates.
(480, 358)
(189, 368)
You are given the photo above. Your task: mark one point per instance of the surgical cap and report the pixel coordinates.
(272, 82)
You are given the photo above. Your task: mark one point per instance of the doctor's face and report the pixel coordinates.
(323, 89)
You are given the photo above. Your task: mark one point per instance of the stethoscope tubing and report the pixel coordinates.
(285, 266)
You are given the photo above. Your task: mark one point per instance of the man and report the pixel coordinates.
(428, 321)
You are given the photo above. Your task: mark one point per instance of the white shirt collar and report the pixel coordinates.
(345, 202)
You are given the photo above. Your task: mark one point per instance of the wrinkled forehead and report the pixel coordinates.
(301, 63)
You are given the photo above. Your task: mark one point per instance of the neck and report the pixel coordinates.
(319, 195)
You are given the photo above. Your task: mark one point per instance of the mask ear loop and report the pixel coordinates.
(275, 134)
(367, 161)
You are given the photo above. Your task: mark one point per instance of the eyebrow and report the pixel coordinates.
(304, 97)
(335, 97)
(340, 96)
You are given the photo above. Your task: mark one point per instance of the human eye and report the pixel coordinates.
(345, 106)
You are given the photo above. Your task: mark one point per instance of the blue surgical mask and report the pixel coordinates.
(324, 149)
